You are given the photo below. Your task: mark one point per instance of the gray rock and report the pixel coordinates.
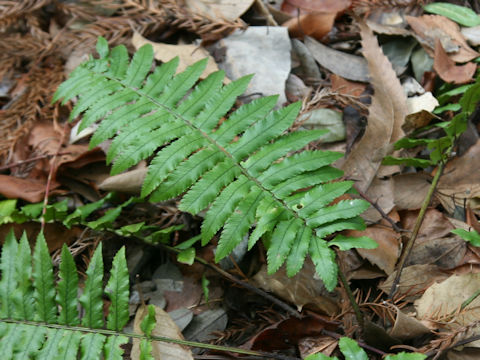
(260, 50)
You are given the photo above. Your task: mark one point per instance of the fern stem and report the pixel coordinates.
(155, 338)
(351, 298)
(416, 229)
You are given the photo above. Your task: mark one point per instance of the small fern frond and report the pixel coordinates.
(39, 327)
(243, 167)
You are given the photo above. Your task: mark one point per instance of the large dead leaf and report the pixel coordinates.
(441, 302)
(430, 28)
(188, 54)
(386, 114)
(164, 327)
(448, 71)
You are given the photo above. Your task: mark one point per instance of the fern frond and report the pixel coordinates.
(46, 331)
(242, 168)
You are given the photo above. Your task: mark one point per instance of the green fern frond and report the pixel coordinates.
(40, 321)
(242, 167)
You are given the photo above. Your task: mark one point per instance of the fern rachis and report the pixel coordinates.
(242, 170)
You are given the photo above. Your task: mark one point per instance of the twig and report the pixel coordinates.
(39, 157)
(50, 176)
(380, 210)
(418, 224)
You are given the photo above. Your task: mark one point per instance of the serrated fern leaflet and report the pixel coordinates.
(203, 152)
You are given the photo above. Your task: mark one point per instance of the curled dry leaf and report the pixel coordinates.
(406, 327)
(429, 28)
(386, 114)
(448, 71)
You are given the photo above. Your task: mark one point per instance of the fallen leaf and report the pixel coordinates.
(414, 280)
(407, 327)
(302, 289)
(219, 9)
(446, 252)
(287, 333)
(348, 66)
(448, 71)
(441, 302)
(386, 115)
(29, 190)
(165, 327)
(459, 183)
(435, 224)
(410, 190)
(429, 28)
(346, 87)
(385, 256)
(188, 54)
(382, 193)
(128, 182)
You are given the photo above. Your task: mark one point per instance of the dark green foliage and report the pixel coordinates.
(246, 171)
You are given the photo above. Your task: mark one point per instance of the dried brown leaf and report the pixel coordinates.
(448, 71)
(430, 28)
(386, 114)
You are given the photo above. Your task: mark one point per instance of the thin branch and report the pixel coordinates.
(380, 210)
(416, 229)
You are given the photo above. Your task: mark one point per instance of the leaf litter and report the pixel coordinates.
(339, 79)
